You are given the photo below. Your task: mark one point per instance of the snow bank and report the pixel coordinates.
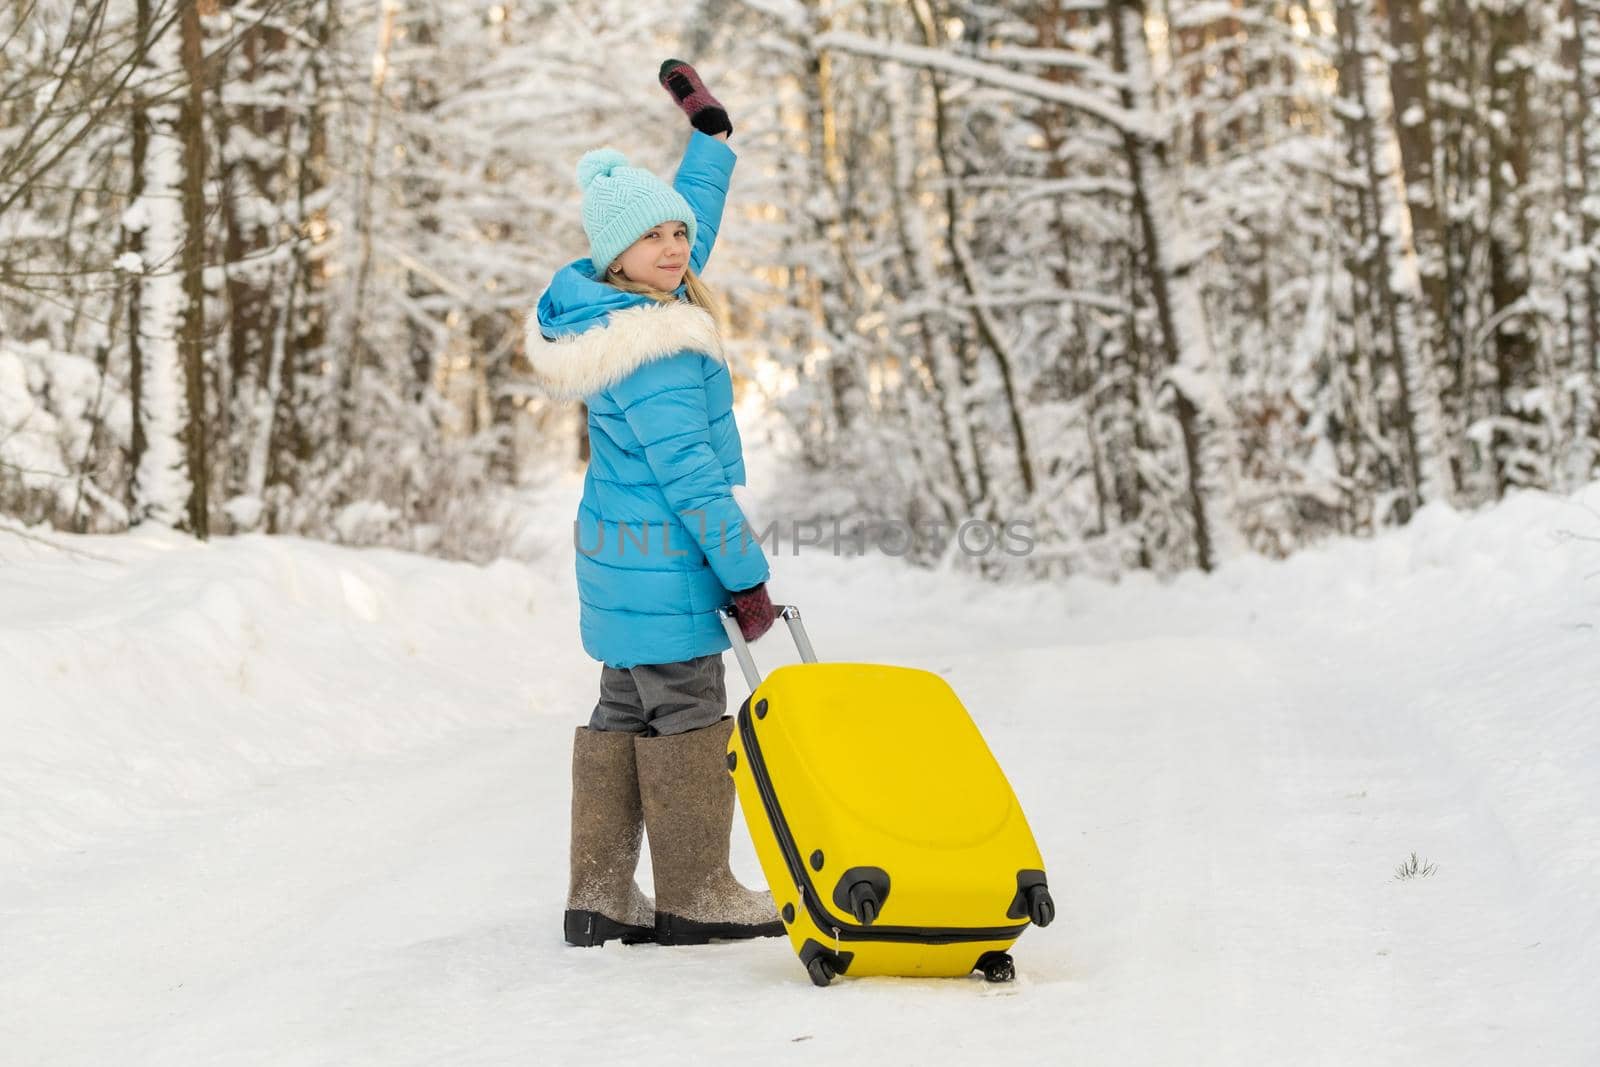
(145, 672)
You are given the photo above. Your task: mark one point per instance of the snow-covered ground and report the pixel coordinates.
(271, 801)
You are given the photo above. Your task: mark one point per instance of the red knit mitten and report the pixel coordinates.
(754, 612)
(705, 111)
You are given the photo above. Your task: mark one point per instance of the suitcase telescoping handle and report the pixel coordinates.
(741, 648)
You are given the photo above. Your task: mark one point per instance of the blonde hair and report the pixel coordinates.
(697, 291)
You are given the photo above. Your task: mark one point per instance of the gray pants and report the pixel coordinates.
(656, 699)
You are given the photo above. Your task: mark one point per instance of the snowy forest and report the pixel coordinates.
(1170, 281)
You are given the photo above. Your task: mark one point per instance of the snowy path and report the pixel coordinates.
(1223, 775)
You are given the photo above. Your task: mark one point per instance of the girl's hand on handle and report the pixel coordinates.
(705, 111)
(754, 612)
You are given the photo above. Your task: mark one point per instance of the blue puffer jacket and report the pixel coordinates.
(660, 540)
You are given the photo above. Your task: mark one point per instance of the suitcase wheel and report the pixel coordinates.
(864, 903)
(862, 892)
(823, 964)
(997, 967)
(1041, 908)
(821, 971)
(1032, 901)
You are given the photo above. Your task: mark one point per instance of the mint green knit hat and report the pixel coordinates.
(621, 202)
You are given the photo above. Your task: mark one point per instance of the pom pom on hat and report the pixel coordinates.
(602, 161)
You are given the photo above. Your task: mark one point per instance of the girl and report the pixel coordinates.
(661, 543)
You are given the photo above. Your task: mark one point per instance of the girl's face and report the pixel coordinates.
(659, 258)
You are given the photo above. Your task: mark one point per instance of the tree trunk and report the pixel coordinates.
(161, 483)
(1364, 80)
(979, 491)
(133, 243)
(1581, 51)
(1411, 86)
(354, 353)
(287, 404)
(192, 125)
(844, 389)
(250, 179)
(934, 361)
(1101, 377)
(1521, 454)
(1202, 406)
(967, 271)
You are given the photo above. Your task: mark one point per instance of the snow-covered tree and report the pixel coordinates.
(1162, 280)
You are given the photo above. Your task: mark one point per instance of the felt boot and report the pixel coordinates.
(603, 901)
(688, 813)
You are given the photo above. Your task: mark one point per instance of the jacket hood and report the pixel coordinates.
(586, 335)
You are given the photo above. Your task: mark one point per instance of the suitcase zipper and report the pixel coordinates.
(841, 930)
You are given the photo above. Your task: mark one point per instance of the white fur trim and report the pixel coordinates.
(582, 364)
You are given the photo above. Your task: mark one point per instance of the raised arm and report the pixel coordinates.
(703, 178)
(707, 162)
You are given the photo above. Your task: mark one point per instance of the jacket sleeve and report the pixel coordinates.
(664, 402)
(703, 178)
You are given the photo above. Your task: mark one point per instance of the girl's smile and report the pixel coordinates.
(641, 263)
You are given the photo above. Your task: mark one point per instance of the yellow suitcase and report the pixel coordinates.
(890, 838)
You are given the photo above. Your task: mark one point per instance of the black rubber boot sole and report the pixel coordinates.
(586, 929)
(674, 930)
